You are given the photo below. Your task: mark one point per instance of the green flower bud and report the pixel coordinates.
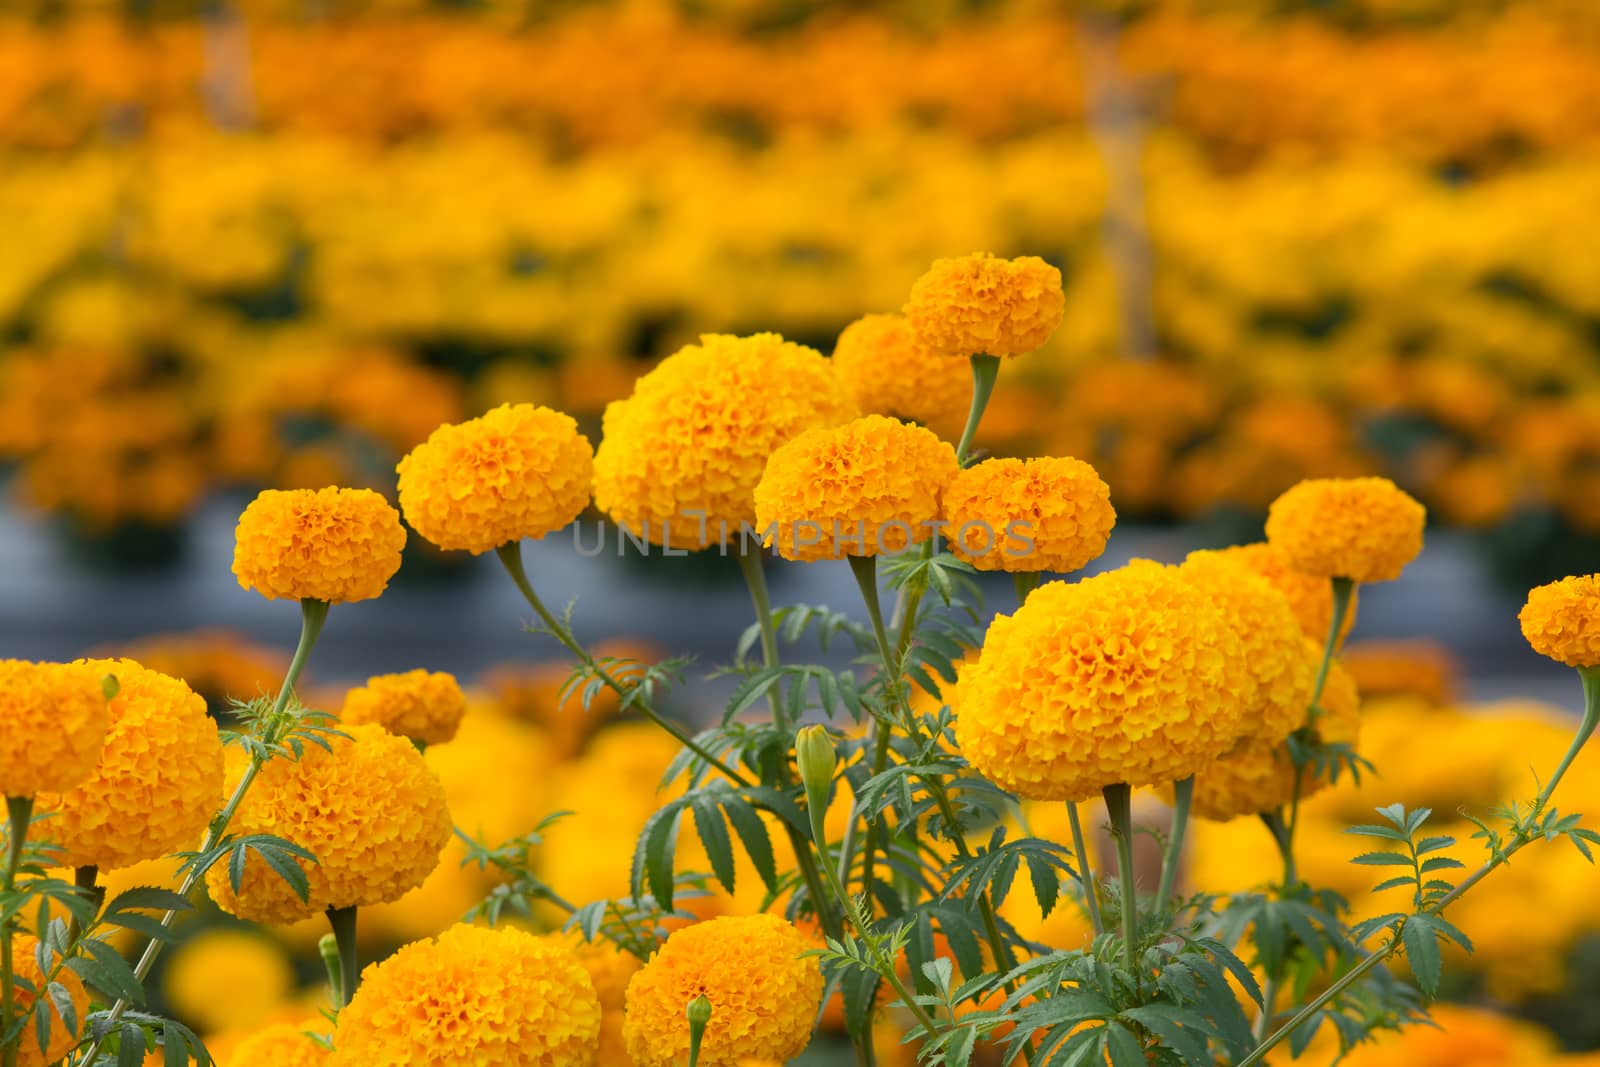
(813, 750)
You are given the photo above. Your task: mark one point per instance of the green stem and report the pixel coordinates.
(1273, 820)
(1269, 998)
(343, 923)
(1024, 582)
(1343, 590)
(87, 879)
(510, 555)
(313, 613)
(985, 369)
(1091, 887)
(1355, 975)
(1182, 796)
(1120, 812)
(19, 814)
(865, 570)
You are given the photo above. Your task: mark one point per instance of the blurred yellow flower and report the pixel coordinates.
(1363, 529)
(425, 706)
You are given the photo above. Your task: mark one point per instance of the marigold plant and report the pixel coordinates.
(337, 545)
(886, 372)
(55, 720)
(425, 706)
(982, 305)
(1362, 529)
(1048, 514)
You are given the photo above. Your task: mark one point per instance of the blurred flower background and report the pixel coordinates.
(275, 243)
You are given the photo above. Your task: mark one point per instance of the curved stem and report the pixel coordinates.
(1119, 811)
(1343, 590)
(1091, 886)
(19, 814)
(1182, 796)
(1273, 820)
(343, 923)
(985, 369)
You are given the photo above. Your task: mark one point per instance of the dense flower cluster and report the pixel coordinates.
(368, 808)
(158, 780)
(981, 305)
(1364, 529)
(871, 486)
(1562, 620)
(887, 373)
(1310, 598)
(519, 471)
(1126, 677)
(1049, 514)
(328, 544)
(680, 458)
(54, 720)
(764, 993)
(472, 995)
(425, 706)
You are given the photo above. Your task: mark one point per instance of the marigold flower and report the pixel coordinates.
(764, 993)
(1364, 529)
(981, 305)
(253, 969)
(53, 720)
(518, 471)
(282, 1045)
(1310, 598)
(610, 969)
(1047, 514)
(886, 372)
(158, 780)
(472, 995)
(337, 545)
(679, 460)
(868, 487)
(421, 705)
(368, 808)
(1126, 677)
(1562, 620)
(62, 1039)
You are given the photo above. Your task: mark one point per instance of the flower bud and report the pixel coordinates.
(813, 750)
(699, 1010)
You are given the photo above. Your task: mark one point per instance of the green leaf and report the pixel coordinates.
(713, 834)
(1388, 833)
(1422, 950)
(1382, 859)
(1123, 1047)
(753, 835)
(149, 898)
(1183, 1032)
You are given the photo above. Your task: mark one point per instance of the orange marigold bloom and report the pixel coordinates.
(282, 1045)
(425, 706)
(53, 720)
(337, 545)
(62, 1038)
(679, 460)
(1127, 677)
(1562, 620)
(1364, 529)
(518, 471)
(1047, 514)
(868, 487)
(368, 808)
(981, 305)
(472, 996)
(764, 993)
(158, 780)
(1311, 599)
(886, 372)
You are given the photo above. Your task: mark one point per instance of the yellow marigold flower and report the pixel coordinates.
(251, 968)
(868, 487)
(53, 720)
(610, 969)
(886, 372)
(421, 705)
(518, 471)
(1364, 529)
(981, 305)
(764, 994)
(62, 1039)
(1048, 514)
(1129, 676)
(679, 459)
(158, 780)
(1562, 620)
(281, 1045)
(369, 809)
(1310, 598)
(472, 995)
(1258, 775)
(337, 545)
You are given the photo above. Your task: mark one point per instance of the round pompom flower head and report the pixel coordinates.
(472, 996)
(53, 720)
(1363, 529)
(1310, 598)
(336, 545)
(158, 780)
(764, 993)
(679, 459)
(1128, 677)
(368, 808)
(62, 1038)
(869, 487)
(1562, 621)
(981, 305)
(425, 706)
(518, 471)
(886, 372)
(1048, 514)
(282, 1045)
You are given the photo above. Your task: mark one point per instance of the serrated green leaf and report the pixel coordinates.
(753, 835)
(713, 834)
(1422, 951)
(1382, 859)
(1123, 1048)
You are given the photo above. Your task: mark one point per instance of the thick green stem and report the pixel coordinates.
(1182, 795)
(19, 814)
(1024, 582)
(1091, 887)
(985, 369)
(88, 880)
(1119, 810)
(343, 923)
(1343, 590)
(1273, 820)
(510, 556)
